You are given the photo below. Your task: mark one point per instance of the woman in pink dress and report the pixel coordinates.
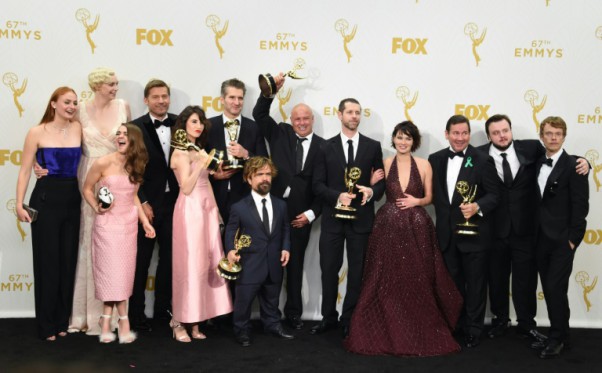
(198, 292)
(115, 228)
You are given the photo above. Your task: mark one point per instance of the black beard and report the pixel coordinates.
(502, 148)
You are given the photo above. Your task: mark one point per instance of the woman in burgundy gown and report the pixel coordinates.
(408, 304)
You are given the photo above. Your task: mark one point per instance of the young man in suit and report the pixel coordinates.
(465, 255)
(339, 153)
(228, 184)
(158, 195)
(563, 204)
(264, 218)
(514, 222)
(293, 149)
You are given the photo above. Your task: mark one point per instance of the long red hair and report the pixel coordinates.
(49, 113)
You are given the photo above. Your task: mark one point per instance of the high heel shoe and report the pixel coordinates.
(107, 337)
(128, 337)
(177, 327)
(196, 333)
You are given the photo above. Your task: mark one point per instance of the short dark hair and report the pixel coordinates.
(494, 119)
(345, 101)
(155, 83)
(457, 119)
(254, 164)
(234, 83)
(410, 129)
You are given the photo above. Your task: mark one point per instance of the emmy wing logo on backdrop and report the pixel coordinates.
(582, 278)
(403, 93)
(341, 26)
(592, 157)
(471, 30)
(11, 206)
(213, 21)
(83, 15)
(531, 96)
(10, 80)
(283, 100)
(599, 32)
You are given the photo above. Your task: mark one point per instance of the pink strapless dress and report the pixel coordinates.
(198, 292)
(114, 242)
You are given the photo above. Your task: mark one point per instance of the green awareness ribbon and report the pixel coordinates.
(468, 162)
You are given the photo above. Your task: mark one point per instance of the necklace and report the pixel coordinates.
(62, 130)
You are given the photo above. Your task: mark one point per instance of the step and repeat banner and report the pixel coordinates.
(423, 60)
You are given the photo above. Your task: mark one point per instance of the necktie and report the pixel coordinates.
(506, 170)
(548, 162)
(299, 154)
(452, 154)
(166, 123)
(350, 153)
(265, 217)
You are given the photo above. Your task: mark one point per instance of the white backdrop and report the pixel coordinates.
(418, 59)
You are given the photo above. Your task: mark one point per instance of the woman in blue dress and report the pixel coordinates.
(55, 144)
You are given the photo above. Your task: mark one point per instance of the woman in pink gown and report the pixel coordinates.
(199, 293)
(408, 305)
(115, 228)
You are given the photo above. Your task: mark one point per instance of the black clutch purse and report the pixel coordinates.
(33, 213)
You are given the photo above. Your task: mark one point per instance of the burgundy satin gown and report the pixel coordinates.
(408, 304)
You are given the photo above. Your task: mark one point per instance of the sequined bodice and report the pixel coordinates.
(414, 188)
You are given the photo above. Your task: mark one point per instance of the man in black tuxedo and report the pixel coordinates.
(263, 217)
(293, 149)
(465, 255)
(563, 198)
(344, 151)
(228, 185)
(158, 195)
(514, 221)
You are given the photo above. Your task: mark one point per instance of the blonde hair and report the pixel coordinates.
(98, 76)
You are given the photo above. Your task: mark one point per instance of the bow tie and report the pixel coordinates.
(166, 123)
(548, 162)
(452, 154)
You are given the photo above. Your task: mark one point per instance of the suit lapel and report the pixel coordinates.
(152, 133)
(337, 147)
(442, 170)
(465, 174)
(556, 171)
(275, 215)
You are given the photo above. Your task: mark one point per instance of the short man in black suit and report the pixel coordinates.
(158, 195)
(563, 199)
(293, 149)
(344, 151)
(465, 256)
(514, 233)
(228, 185)
(263, 217)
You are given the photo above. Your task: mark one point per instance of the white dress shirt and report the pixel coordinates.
(311, 216)
(511, 156)
(545, 171)
(453, 170)
(268, 205)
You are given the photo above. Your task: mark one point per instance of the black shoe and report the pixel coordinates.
(471, 341)
(345, 331)
(243, 340)
(295, 322)
(498, 329)
(322, 327)
(279, 332)
(532, 334)
(552, 350)
(140, 324)
(539, 345)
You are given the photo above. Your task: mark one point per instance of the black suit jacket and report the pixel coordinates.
(565, 202)
(262, 258)
(329, 182)
(250, 138)
(482, 174)
(283, 141)
(517, 205)
(158, 172)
